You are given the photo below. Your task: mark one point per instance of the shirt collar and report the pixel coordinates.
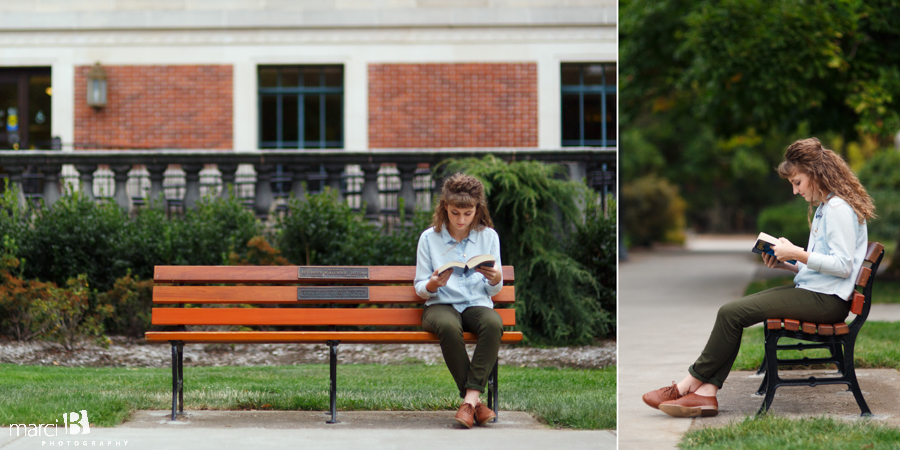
(445, 236)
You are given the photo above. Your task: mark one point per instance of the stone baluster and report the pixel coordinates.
(15, 179)
(299, 175)
(120, 174)
(51, 183)
(191, 184)
(157, 176)
(263, 201)
(333, 173)
(407, 191)
(370, 190)
(86, 176)
(228, 172)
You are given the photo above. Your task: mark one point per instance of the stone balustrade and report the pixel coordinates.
(370, 177)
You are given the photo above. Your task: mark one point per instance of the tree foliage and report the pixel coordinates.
(763, 64)
(713, 91)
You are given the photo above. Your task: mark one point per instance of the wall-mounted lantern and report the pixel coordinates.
(96, 86)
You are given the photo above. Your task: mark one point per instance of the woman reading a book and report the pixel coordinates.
(462, 302)
(823, 285)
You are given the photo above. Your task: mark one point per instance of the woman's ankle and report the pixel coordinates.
(707, 390)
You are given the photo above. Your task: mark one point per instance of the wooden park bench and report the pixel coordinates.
(838, 338)
(331, 304)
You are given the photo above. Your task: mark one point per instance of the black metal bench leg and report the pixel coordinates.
(174, 378)
(850, 375)
(332, 350)
(771, 379)
(180, 377)
(493, 392)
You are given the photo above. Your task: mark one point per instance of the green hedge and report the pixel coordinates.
(567, 292)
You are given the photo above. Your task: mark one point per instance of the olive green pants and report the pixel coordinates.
(449, 324)
(784, 302)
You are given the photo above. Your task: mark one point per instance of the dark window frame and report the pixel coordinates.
(582, 90)
(279, 92)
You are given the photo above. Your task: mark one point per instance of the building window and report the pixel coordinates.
(589, 104)
(301, 106)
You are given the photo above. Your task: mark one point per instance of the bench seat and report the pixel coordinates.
(299, 304)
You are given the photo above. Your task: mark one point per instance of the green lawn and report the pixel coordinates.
(876, 347)
(884, 291)
(570, 398)
(773, 432)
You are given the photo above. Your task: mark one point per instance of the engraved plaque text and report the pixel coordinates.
(346, 273)
(332, 293)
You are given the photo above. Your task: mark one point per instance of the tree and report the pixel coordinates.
(765, 64)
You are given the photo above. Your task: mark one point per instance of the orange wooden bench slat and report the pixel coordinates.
(841, 328)
(791, 324)
(309, 337)
(286, 274)
(773, 324)
(288, 294)
(809, 328)
(299, 316)
(863, 277)
(856, 305)
(826, 329)
(873, 251)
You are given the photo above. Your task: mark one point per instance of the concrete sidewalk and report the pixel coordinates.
(665, 323)
(218, 430)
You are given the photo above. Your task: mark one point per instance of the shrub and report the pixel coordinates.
(76, 236)
(533, 210)
(209, 232)
(20, 317)
(129, 305)
(789, 220)
(257, 252)
(13, 217)
(653, 212)
(319, 229)
(594, 245)
(67, 311)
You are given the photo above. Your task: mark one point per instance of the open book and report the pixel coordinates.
(462, 268)
(764, 245)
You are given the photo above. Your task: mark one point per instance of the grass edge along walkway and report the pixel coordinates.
(565, 398)
(814, 433)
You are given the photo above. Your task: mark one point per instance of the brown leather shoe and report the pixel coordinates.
(483, 414)
(465, 416)
(654, 398)
(691, 405)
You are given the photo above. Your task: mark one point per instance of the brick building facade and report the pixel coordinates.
(249, 75)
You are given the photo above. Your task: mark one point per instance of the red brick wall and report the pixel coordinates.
(157, 107)
(452, 105)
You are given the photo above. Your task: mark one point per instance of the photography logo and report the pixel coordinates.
(73, 423)
(69, 432)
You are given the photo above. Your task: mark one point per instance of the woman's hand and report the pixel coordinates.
(786, 251)
(438, 280)
(774, 263)
(493, 274)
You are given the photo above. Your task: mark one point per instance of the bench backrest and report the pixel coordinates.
(298, 292)
(862, 301)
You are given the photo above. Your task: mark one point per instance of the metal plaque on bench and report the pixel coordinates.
(332, 293)
(345, 273)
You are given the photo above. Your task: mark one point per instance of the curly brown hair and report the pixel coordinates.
(829, 173)
(462, 191)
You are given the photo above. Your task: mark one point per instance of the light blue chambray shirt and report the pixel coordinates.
(837, 247)
(462, 291)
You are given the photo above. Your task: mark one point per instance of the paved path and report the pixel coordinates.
(222, 430)
(667, 305)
